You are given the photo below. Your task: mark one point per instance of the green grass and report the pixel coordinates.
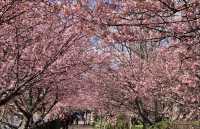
(196, 123)
(160, 125)
(138, 127)
(165, 124)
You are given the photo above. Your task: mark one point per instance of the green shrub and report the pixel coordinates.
(160, 125)
(98, 124)
(121, 122)
(108, 126)
(140, 126)
(102, 124)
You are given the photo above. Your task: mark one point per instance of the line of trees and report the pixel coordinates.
(153, 48)
(139, 56)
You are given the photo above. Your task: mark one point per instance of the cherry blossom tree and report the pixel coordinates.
(139, 56)
(160, 42)
(42, 53)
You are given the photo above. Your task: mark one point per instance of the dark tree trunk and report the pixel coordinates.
(142, 112)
